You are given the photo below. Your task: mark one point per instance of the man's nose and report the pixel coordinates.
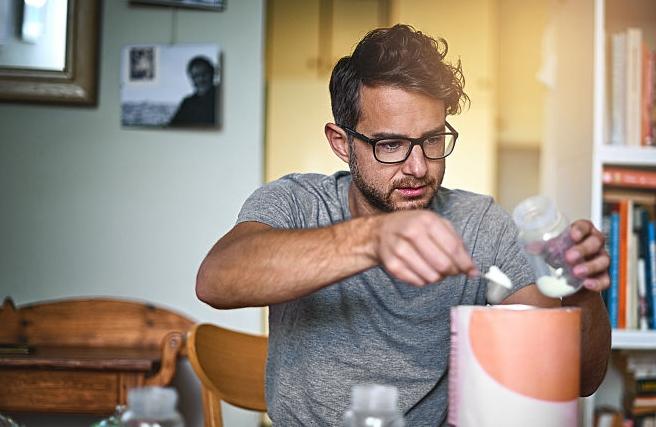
(415, 164)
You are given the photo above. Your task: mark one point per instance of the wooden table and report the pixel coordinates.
(73, 379)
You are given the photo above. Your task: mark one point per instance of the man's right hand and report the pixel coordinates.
(420, 247)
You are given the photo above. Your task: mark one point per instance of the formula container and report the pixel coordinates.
(514, 366)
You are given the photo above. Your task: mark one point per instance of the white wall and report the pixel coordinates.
(89, 208)
(565, 167)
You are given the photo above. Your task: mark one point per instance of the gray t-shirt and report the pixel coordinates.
(371, 327)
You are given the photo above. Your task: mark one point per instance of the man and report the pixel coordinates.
(360, 270)
(198, 109)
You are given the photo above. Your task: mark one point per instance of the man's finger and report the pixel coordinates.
(592, 267)
(451, 244)
(580, 229)
(592, 245)
(598, 283)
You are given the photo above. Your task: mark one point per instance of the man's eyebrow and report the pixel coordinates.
(392, 135)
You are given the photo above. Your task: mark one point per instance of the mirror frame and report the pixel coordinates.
(77, 83)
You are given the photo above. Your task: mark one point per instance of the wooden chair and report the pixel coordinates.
(83, 355)
(230, 366)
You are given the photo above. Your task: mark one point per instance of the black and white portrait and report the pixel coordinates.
(181, 89)
(142, 63)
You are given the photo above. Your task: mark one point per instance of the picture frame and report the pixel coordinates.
(77, 83)
(212, 5)
(171, 86)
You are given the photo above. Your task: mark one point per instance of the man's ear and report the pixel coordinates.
(338, 141)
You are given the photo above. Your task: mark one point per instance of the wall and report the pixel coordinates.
(89, 208)
(565, 162)
(521, 94)
(520, 103)
(470, 28)
(305, 38)
(518, 176)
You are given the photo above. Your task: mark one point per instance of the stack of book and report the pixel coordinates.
(629, 224)
(641, 395)
(633, 77)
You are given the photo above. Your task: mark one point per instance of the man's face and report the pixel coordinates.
(201, 77)
(408, 185)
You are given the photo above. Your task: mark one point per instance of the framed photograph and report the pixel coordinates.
(216, 5)
(171, 85)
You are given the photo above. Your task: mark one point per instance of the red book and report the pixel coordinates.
(622, 265)
(628, 177)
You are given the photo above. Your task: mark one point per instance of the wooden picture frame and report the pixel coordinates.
(77, 84)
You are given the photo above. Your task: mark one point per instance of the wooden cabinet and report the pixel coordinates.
(82, 356)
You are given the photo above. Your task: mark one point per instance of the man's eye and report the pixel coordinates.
(434, 140)
(390, 145)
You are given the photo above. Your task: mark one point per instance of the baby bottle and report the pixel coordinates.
(152, 407)
(374, 405)
(545, 234)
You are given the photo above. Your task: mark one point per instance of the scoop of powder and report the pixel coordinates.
(499, 285)
(497, 276)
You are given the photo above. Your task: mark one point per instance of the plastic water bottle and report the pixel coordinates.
(545, 234)
(374, 405)
(152, 407)
(112, 421)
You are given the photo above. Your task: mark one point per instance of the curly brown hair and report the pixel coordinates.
(398, 56)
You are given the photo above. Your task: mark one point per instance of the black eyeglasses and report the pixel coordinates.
(397, 149)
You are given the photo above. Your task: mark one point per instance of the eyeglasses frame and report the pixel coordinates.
(413, 142)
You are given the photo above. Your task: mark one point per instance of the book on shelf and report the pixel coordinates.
(646, 386)
(629, 177)
(651, 271)
(647, 99)
(631, 296)
(633, 85)
(613, 271)
(632, 81)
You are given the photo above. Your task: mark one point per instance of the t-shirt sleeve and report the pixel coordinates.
(511, 258)
(272, 204)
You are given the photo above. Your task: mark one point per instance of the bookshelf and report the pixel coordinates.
(611, 17)
(626, 339)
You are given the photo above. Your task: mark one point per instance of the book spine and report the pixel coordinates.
(613, 270)
(652, 263)
(618, 90)
(646, 386)
(633, 85)
(643, 319)
(623, 265)
(646, 136)
(637, 178)
(648, 272)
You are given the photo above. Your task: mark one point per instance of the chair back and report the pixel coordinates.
(230, 366)
(89, 322)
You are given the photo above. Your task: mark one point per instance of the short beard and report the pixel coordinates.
(375, 197)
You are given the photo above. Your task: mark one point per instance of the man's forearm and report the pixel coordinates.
(255, 265)
(595, 338)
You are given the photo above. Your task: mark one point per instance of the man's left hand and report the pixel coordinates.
(588, 257)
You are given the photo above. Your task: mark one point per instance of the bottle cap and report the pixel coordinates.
(152, 402)
(374, 397)
(536, 213)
